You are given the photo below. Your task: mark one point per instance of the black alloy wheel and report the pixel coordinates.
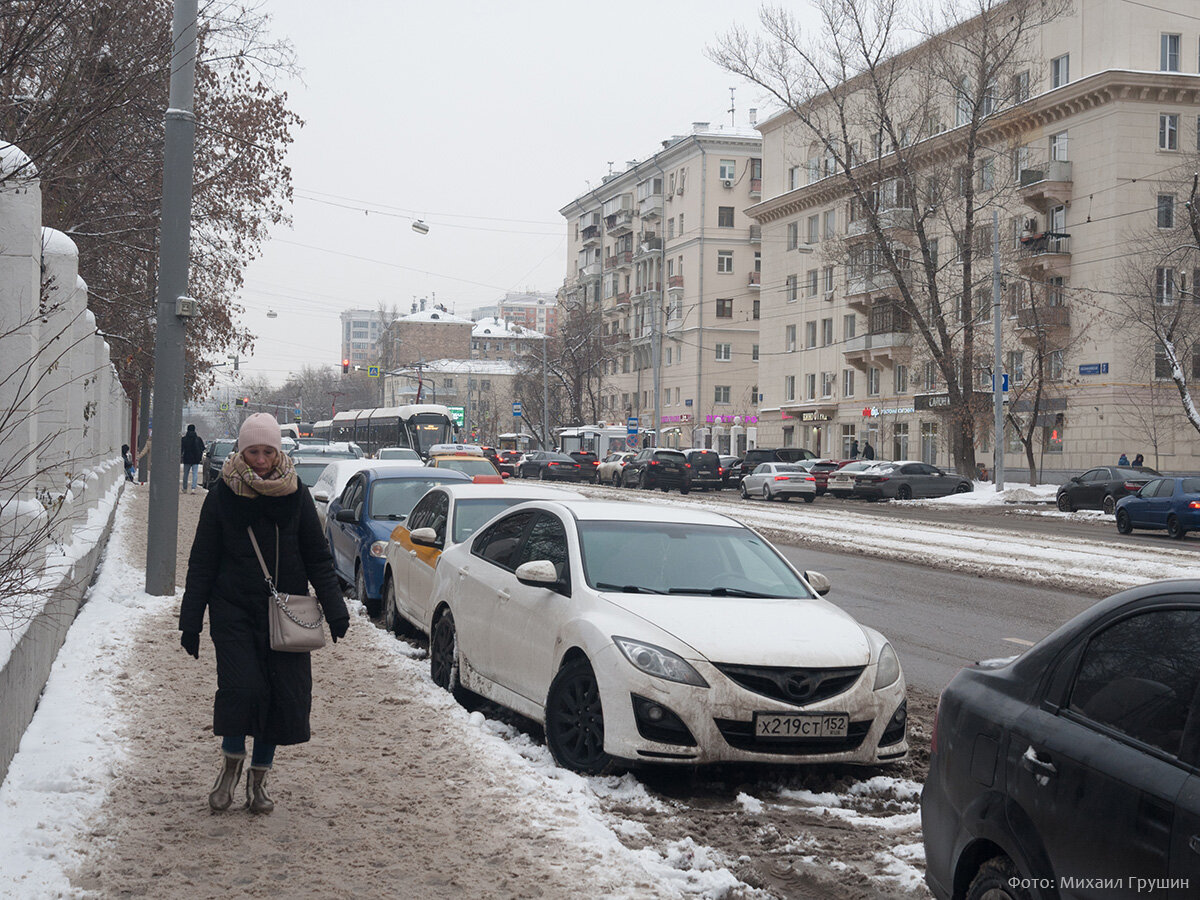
(1064, 502)
(962, 487)
(1110, 504)
(904, 492)
(360, 592)
(616, 479)
(997, 879)
(1174, 529)
(745, 493)
(443, 655)
(542, 476)
(575, 720)
(809, 498)
(644, 481)
(1124, 523)
(767, 494)
(392, 620)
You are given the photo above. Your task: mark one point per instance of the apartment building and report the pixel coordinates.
(495, 338)
(361, 332)
(1081, 150)
(428, 334)
(533, 310)
(666, 251)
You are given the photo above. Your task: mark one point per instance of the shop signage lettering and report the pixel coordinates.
(874, 412)
(729, 420)
(684, 419)
(814, 417)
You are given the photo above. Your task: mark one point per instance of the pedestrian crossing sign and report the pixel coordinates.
(372, 371)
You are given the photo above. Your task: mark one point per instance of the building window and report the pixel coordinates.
(931, 376)
(789, 435)
(793, 288)
(848, 322)
(1058, 146)
(757, 309)
(1162, 365)
(814, 229)
(1057, 368)
(847, 382)
(828, 279)
(789, 387)
(669, 354)
(873, 376)
(724, 216)
(1052, 435)
(721, 393)
(725, 261)
(1060, 70)
(728, 169)
(1168, 53)
(1168, 131)
(754, 352)
(1021, 87)
(793, 178)
(810, 287)
(724, 309)
(681, 235)
(810, 335)
(827, 382)
(962, 102)
(901, 382)
(826, 332)
(900, 441)
(1016, 366)
(1164, 286)
(810, 386)
(670, 228)
(724, 352)
(929, 441)
(793, 235)
(830, 224)
(814, 170)
(789, 344)
(1166, 210)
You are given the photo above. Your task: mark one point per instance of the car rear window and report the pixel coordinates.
(1191, 485)
(705, 458)
(222, 448)
(672, 455)
(469, 465)
(823, 467)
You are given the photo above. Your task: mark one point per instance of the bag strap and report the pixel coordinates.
(262, 562)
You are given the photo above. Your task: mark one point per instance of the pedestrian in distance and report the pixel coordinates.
(260, 692)
(1138, 460)
(191, 451)
(868, 452)
(854, 448)
(1123, 461)
(127, 462)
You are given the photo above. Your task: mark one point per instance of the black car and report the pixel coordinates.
(502, 465)
(657, 468)
(1071, 771)
(1102, 487)
(589, 463)
(729, 464)
(214, 459)
(759, 455)
(704, 469)
(550, 466)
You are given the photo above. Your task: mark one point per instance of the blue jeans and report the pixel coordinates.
(263, 755)
(193, 469)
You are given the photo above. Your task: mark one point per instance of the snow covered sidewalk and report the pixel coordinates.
(400, 793)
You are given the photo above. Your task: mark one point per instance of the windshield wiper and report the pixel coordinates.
(626, 588)
(393, 517)
(723, 592)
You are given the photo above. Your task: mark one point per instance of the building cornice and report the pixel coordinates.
(1109, 86)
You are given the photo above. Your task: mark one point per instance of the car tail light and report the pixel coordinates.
(781, 477)
(810, 478)
(1195, 504)
(654, 462)
(689, 465)
(1134, 486)
(720, 470)
(552, 464)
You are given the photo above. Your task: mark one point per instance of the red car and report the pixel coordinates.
(820, 469)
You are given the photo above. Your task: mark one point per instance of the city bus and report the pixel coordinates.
(418, 426)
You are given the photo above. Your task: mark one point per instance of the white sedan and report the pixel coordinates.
(635, 633)
(780, 481)
(444, 517)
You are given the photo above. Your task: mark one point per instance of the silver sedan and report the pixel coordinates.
(780, 481)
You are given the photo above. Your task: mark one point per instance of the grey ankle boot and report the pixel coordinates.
(227, 779)
(257, 799)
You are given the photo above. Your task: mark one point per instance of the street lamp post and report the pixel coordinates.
(545, 396)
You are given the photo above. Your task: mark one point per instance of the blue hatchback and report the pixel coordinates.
(1170, 503)
(360, 521)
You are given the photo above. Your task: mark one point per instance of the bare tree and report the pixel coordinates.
(872, 112)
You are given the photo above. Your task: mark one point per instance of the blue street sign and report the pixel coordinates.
(1003, 383)
(1093, 369)
(517, 409)
(372, 371)
(631, 425)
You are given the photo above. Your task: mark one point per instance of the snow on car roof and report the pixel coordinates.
(616, 510)
(521, 492)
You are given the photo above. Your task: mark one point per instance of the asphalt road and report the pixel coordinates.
(939, 621)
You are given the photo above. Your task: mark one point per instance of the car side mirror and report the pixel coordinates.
(506, 474)
(1075, 479)
(346, 515)
(426, 537)
(820, 583)
(321, 495)
(537, 573)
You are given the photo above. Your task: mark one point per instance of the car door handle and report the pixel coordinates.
(412, 553)
(504, 596)
(1194, 843)
(1034, 764)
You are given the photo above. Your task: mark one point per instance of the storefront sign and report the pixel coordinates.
(874, 412)
(814, 417)
(932, 401)
(684, 419)
(730, 420)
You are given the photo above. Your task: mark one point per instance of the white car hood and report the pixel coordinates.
(744, 631)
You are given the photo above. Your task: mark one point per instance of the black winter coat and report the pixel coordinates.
(259, 692)
(191, 449)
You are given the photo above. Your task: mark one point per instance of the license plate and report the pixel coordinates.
(776, 726)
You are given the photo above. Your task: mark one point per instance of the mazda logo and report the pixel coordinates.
(798, 686)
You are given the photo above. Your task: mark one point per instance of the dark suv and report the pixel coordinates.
(704, 469)
(657, 468)
(1073, 764)
(759, 455)
(214, 459)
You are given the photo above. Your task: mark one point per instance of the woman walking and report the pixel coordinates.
(260, 692)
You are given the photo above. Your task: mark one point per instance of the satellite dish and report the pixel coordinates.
(271, 314)
(420, 227)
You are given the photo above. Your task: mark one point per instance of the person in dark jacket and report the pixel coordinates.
(868, 450)
(127, 462)
(260, 691)
(854, 448)
(191, 451)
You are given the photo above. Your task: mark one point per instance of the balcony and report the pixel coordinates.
(756, 234)
(651, 207)
(619, 223)
(1048, 186)
(1043, 321)
(648, 243)
(872, 350)
(897, 221)
(590, 235)
(755, 188)
(675, 282)
(591, 270)
(1046, 254)
(622, 260)
(863, 287)
(755, 280)
(621, 300)
(616, 340)
(649, 289)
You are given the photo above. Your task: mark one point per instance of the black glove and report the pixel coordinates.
(338, 628)
(190, 641)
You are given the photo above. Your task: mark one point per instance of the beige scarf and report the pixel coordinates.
(280, 481)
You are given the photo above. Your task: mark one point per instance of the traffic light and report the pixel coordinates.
(345, 366)
(245, 401)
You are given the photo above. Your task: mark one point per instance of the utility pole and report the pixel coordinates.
(997, 367)
(545, 396)
(173, 306)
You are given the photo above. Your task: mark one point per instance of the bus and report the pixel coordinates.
(297, 430)
(418, 426)
(602, 439)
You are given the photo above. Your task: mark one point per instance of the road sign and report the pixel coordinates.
(457, 415)
(631, 425)
(517, 412)
(1003, 383)
(372, 371)
(224, 407)
(1093, 369)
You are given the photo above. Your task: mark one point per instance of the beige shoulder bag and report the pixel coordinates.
(295, 619)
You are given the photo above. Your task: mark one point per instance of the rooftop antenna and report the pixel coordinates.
(732, 108)
(610, 165)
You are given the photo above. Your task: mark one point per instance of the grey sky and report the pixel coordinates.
(480, 118)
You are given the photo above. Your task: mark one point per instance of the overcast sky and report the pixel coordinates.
(482, 119)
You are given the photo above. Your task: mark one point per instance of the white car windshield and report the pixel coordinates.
(671, 558)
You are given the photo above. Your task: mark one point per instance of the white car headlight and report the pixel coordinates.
(887, 669)
(659, 662)
(379, 548)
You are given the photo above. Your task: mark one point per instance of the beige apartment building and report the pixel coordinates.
(1082, 166)
(666, 251)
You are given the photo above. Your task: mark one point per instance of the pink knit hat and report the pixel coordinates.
(260, 428)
